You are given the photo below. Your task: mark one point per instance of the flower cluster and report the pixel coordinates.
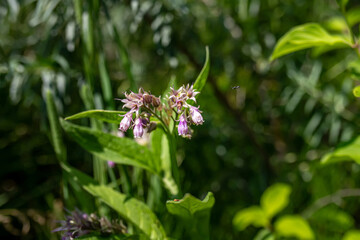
(189, 114)
(144, 105)
(78, 224)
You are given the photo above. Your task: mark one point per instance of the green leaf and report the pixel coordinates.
(194, 212)
(103, 115)
(55, 127)
(332, 219)
(307, 36)
(111, 148)
(346, 152)
(131, 209)
(162, 150)
(275, 199)
(201, 79)
(352, 235)
(264, 234)
(356, 91)
(250, 216)
(293, 226)
(353, 16)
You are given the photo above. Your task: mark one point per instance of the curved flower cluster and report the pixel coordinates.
(141, 104)
(189, 114)
(78, 224)
(144, 105)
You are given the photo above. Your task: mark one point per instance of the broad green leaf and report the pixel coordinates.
(55, 127)
(356, 91)
(111, 148)
(307, 36)
(347, 152)
(103, 115)
(275, 199)
(352, 235)
(264, 234)
(201, 79)
(162, 150)
(131, 209)
(250, 216)
(194, 212)
(293, 226)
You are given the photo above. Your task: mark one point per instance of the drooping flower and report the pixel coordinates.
(195, 114)
(138, 128)
(182, 127)
(78, 224)
(126, 122)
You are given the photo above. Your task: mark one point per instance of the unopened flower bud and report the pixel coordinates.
(182, 127)
(125, 122)
(138, 128)
(196, 115)
(110, 164)
(156, 102)
(147, 98)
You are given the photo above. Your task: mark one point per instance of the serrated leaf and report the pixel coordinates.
(307, 36)
(131, 209)
(293, 226)
(194, 212)
(103, 115)
(275, 199)
(250, 216)
(346, 152)
(201, 79)
(112, 148)
(352, 235)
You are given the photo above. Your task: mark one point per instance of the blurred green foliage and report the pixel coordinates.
(275, 127)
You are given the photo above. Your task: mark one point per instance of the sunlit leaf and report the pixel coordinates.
(112, 148)
(352, 235)
(275, 199)
(201, 79)
(356, 91)
(250, 216)
(131, 209)
(293, 226)
(194, 212)
(346, 152)
(307, 36)
(353, 16)
(103, 115)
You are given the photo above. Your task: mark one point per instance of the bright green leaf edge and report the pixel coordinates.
(131, 209)
(288, 43)
(103, 115)
(190, 205)
(346, 152)
(275, 199)
(201, 79)
(112, 148)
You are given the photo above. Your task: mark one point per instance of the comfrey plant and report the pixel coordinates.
(175, 106)
(121, 187)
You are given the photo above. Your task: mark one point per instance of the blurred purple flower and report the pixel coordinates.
(195, 114)
(138, 128)
(111, 164)
(182, 127)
